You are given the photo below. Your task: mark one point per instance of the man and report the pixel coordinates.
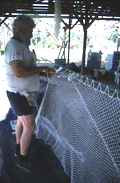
(22, 81)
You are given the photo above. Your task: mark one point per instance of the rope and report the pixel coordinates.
(40, 108)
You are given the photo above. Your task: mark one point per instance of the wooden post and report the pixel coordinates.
(64, 40)
(84, 49)
(69, 47)
(69, 40)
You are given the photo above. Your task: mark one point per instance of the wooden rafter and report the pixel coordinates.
(2, 21)
(95, 9)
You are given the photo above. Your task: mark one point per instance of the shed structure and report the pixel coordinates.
(85, 11)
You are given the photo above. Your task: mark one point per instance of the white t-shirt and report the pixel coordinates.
(18, 51)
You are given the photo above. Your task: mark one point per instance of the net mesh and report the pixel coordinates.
(80, 122)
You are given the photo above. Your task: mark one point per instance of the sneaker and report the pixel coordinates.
(17, 152)
(29, 166)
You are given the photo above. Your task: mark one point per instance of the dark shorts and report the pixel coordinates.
(19, 104)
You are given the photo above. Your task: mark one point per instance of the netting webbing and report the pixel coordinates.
(81, 123)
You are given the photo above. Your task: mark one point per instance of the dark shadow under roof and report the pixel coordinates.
(82, 9)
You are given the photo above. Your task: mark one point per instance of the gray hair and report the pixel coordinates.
(24, 21)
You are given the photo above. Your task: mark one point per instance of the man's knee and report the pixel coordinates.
(29, 128)
(28, 123)
(32, 127)
(18, 120)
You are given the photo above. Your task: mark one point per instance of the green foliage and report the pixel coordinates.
(89, 38)
(114, 36)
(44, 36)
(76, 40)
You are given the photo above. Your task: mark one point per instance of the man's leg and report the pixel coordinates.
(28, 124)
(18, 130)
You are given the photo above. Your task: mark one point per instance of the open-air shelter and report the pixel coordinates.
(80, 118)
(84, 11)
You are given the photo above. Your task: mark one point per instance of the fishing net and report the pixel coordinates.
(80, 121)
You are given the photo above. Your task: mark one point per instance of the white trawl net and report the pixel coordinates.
(80, 122)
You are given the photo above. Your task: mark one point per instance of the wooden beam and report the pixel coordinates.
(69, 40)
(75, 24)
(84, 49)
(72, 11)
(65, 23)
(3, 20)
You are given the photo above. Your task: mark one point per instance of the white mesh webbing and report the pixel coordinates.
(81, 123)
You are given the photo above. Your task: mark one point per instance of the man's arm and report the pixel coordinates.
(21, 71)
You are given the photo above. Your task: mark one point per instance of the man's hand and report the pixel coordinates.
(46, 71)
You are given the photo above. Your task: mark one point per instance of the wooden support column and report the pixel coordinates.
(69, 47)
(69, 40)
(64, 40)
(84, 49)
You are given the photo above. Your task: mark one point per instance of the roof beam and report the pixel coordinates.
(72, 11)
(2, 21)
